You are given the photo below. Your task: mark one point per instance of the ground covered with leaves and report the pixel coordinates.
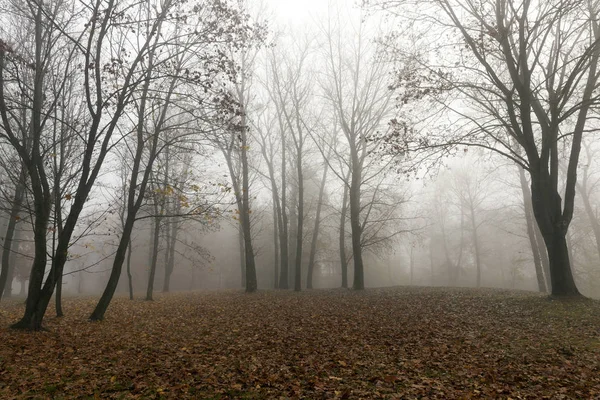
(384, 343)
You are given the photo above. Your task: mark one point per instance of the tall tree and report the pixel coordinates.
(355, 83)
(523, 72)
(172, 67)
(291, 91)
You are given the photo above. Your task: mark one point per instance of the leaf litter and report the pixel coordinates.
(396, 343)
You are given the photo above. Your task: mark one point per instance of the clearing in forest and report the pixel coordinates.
(380, 343)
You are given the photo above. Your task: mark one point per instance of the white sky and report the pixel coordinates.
(294, 11)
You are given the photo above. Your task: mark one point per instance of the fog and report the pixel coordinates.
(274, 145)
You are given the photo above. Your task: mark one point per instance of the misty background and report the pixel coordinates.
(272, 144)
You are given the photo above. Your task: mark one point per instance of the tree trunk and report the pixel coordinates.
(359, 277)
(170, 262)
(562, 280)
(548, 213)
(10, 232)
(129, 277)
(32, 318)
(300, 225)
(242, 254)
(293, 235)
(315, 238)
(283, 228)
(167, 276)
(113, 280)
(533, 242)
(154, 262)
(342, 239)
(58, 296)
(251, 282)
(275, 244)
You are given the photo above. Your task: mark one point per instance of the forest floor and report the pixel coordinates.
(404, 343)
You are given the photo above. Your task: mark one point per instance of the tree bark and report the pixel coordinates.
(32, 318)
(275, 243)
(58, 297)
(154, 261)
(129, 277)
(300, 224)
(170, 261)
(342, 238)
(251, 282)
(293, 234)
(548, 213)
(242, 254)
(111, 286)
(531, 232)
(283, 229)
(355, 222)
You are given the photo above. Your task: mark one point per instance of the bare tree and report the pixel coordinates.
(355, 84)
(523, 72)
(291, 91)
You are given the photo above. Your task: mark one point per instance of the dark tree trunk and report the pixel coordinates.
(283, 228)
(315, 238)
(242, 197)
(562, 280)
(531, 232)
(275, 243)
(242, 253)
(300, 226)
(167, 276)
(342, 239)
(113, 280)
(129, 277)
(58, 225)
(251, 282)
(548, 213)
(355, 224)
(154, 262)
(58, 297)
(293, 235)
(10, 232)
(32, 318)
(170, 262)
